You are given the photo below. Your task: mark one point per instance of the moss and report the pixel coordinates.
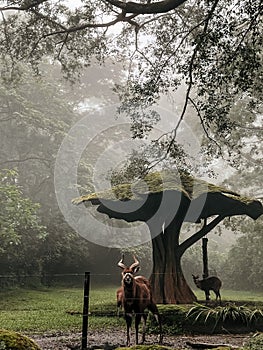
(158, 182)
(155, 183)
(10, 340)
(255, 342)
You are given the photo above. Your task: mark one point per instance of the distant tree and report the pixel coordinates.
(63, 251)
(34, 119)
(20, 228)
(244, 258)
(243, 267)
(35, 114)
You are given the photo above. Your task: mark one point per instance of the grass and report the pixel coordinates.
(59, 309)
(231, 295)
(55, 309)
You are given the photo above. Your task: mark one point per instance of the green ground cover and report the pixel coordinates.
(59, 309)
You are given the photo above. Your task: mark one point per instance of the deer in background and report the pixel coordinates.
(209, 283)
(135, 296)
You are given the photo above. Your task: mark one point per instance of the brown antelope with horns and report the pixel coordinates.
(135, 296)
(209, 283)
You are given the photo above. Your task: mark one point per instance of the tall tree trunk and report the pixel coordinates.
(167, 279)
(168, 283)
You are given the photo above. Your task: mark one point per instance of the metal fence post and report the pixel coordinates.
(85, 312)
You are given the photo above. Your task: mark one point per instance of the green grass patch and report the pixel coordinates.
(231, 295)
(55, 309)
(60, 309)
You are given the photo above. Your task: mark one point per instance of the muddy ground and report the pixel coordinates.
(111, 339)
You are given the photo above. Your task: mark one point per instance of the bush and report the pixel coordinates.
(10, 340)
(172, 317)
(226, 317)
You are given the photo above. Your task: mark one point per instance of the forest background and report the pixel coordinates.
(37, 112)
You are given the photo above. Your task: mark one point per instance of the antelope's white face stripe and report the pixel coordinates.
(127, 277)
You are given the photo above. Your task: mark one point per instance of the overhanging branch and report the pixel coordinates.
(148, 8)
(198, 235)
(26, 6)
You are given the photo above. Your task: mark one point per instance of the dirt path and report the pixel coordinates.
(112, 339)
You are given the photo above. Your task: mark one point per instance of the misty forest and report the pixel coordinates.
(186, 78)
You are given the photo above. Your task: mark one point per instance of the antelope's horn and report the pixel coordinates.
(135, 264)
(121, 264)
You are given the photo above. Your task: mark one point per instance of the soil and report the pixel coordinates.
(112, 339)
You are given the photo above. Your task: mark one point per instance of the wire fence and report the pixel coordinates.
(54, 279)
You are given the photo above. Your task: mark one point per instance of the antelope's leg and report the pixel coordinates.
(153, 308)
(137, 322)
(144, 316)
(158, 319)
(128, 318)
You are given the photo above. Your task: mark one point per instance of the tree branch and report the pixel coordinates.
(203, 125)
(26, 6)
(148, 8)
(45, 160)
(198, 235)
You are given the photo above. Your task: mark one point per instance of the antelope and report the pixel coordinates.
(209, 283)
(135, 296)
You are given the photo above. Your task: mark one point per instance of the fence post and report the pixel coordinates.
(85, 312)
(205, 257)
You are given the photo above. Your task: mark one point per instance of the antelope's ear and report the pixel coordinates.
(136, 269)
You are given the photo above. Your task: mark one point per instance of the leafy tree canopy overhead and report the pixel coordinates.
(212, 46)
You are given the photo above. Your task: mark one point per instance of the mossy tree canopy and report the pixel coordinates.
(197, 198)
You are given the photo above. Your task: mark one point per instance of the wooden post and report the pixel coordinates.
(85, 316)
(205, 257)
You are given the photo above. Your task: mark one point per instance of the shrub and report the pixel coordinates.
(172, 320)
(229, 315)
(10, 340)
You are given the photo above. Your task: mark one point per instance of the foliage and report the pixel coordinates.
(10, 340)
(19, 223)
(212, 47)
(35, 117)
(173, 318)
(224, 316)
(255, 342)
(36, 113)
(246, 256)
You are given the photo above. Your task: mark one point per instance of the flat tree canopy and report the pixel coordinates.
(167, 200)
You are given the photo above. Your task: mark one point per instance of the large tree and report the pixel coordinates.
(168, 200)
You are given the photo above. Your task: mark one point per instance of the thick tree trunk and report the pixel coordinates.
(167, 279)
